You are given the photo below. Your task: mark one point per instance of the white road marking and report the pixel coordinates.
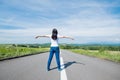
(63, 75)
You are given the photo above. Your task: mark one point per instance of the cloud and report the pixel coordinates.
(90, 19)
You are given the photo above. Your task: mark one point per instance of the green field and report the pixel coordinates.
(108, 52)
(8, 51)
(101, 51)
(108, 55)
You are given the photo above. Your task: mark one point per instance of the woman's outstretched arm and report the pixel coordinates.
(66, 37)
(42, 36)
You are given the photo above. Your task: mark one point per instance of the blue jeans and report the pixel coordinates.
(56, 51)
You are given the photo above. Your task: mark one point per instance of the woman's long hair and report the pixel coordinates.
(54, 34)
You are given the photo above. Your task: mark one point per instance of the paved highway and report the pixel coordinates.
(76, 67)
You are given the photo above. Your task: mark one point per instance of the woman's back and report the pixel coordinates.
(54, 43)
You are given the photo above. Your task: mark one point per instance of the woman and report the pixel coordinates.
(54, 47)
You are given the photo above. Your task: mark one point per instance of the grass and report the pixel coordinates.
(7, 51)
(109, 55)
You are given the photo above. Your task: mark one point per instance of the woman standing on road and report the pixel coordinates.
(54, 47)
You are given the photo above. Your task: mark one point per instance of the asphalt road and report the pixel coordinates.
(76, 67)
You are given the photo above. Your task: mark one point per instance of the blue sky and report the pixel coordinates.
(87, 21)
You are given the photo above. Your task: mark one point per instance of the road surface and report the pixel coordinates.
(76, 67)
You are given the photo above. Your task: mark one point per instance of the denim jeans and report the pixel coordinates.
(56, 51)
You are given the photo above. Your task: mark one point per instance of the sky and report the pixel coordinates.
(88, 21)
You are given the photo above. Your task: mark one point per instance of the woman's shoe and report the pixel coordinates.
(48, 69)
(59, 69)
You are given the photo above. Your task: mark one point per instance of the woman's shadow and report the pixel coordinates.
(67, 64)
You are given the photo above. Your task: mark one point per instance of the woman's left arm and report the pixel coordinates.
(66, 37)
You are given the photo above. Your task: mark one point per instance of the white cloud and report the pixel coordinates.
(90, 19)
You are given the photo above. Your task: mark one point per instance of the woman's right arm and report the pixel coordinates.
(42, 36)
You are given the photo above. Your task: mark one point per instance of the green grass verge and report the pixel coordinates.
(109, 55)
(10, 51)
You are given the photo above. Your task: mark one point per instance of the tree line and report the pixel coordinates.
(72, 46)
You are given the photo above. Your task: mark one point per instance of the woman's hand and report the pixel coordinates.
(72, 38)
(36, 37)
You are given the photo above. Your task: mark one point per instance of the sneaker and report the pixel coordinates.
(48, 69)
(59, 69)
